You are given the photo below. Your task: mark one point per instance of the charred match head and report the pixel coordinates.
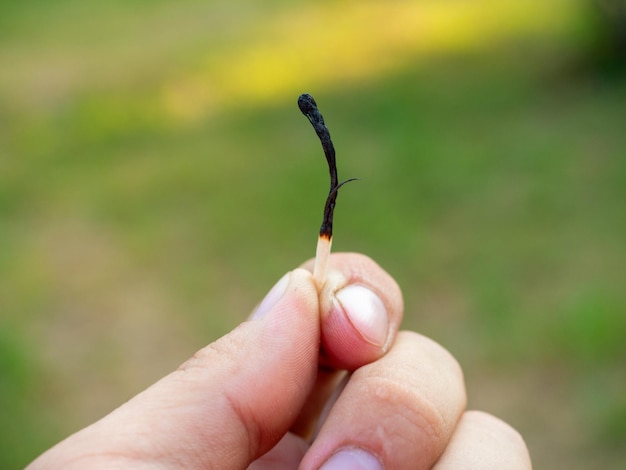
(308, 106)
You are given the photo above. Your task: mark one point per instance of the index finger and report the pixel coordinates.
(397, 412)
(361, 310)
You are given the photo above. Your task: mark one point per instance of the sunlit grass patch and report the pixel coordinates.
(323, 45)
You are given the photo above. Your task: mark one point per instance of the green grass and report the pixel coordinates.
(492, 187)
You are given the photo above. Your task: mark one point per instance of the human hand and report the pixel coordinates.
(253, 397)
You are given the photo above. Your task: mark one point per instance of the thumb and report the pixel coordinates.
(223, 408)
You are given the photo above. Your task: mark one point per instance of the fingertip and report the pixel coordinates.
(361, 310)
(272, 298)
(366, 312)
(499, 427)
(298, 285)
(485, 441)
(355, 327)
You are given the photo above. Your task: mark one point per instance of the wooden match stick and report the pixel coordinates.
(308, 106)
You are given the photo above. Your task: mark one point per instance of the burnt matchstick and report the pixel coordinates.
(308, 106)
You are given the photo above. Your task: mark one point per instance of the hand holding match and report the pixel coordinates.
(276, 392)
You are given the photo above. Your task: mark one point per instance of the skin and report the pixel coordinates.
(266, 396)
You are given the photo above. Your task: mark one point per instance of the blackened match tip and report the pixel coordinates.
(306, 103)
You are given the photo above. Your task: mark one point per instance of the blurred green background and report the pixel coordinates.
(157, 177)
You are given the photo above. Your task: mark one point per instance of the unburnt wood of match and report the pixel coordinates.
(308, 106)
